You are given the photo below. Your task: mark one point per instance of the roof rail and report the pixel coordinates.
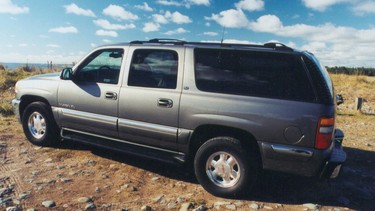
(161, 41)
(277, 45)
(273, 45)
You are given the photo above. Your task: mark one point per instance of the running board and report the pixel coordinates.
(135, 149)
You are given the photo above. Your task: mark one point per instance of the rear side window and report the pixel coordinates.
(252, 73)
(154, 68)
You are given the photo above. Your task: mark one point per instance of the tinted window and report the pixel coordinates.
(153, 68)
(102, 66)
(263, 74)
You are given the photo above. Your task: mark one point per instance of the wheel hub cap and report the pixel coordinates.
(37, 125)
(223, 169)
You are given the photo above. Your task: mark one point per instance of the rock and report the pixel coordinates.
(97, 189)
(254, 206)
(31, 209)
(267, 208)
(60, 167)
(146, 208)
(180, 200)
(200, 208)
(185, 206)
(90, 206)
(49, 203)
(16, 202)
(84, 200)
(13, 209)
(231, 207)
(133, 189)
(220, 203)
(238, 203)
(311, 206)
(91, 162)
(157, 199)
(172, 205)
(66, 179)
(155, 179)
(49, 160)
(4, 191)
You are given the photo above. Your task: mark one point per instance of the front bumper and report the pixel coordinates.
(332, 166)
(16, 108)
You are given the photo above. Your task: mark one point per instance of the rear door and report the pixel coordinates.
(150, 97)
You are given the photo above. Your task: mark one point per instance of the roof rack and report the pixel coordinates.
(273, 45)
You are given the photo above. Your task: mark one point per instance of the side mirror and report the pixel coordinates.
(66, 74)
(339, 99)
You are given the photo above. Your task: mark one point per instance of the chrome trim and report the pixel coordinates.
(89, 116)
(292, 150)
(148, 127)
(118, 140)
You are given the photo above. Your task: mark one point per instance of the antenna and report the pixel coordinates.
(222, 35)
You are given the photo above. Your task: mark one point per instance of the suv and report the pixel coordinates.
(232, 110)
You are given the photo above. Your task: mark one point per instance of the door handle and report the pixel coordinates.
(111, 95)
(167, 103)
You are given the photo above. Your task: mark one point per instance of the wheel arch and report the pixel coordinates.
(28, 99)
(205, 132)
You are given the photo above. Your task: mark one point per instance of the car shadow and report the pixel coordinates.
(354, 188)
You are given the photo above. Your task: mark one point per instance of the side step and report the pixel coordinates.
(124, 147)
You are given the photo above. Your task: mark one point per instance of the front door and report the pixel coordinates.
(89, 102)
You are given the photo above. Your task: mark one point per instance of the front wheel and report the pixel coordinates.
(224, 167)
(39, 125)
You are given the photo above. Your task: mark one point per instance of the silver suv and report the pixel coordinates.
(232, 110)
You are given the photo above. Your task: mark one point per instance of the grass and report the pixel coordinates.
(8, 79)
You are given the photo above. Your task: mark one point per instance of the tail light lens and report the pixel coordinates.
(324, 133)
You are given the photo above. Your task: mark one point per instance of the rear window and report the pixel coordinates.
(252, 73)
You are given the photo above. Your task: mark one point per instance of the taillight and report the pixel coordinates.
(324, 133)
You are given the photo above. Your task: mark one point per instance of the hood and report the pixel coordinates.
(48, 76)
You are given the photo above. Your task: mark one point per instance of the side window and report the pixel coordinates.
(252, 73)
(102, 66)
(154, 68)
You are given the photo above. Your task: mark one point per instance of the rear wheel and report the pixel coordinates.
(224, 167)
(39, 125)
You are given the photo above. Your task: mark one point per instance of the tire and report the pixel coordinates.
(39, 125)
(225, 168)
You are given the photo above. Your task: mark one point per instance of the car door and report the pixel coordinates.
(150, 97)
(89, 102)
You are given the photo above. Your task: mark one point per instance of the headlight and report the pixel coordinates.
(16, 88)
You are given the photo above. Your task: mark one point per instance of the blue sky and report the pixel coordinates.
(338, 32)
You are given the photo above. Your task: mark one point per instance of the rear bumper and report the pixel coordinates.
(304, 161)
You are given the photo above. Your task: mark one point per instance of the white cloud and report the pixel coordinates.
(53, 46)
(144, 7)
(106, 41)
(64, 30)
(250, 5)
(200, 2)
(266, 23)
(365, 7)
(230, 18)
(102, 32)
(160, 19)
(177, 17)
(74, 9)
(7, 6)
(321, 5)
(169, 3)
(177, 31)
(210, 33)
(119, 13)
(23, 45)
(93, 45)
(109, 26)
(151, 27)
